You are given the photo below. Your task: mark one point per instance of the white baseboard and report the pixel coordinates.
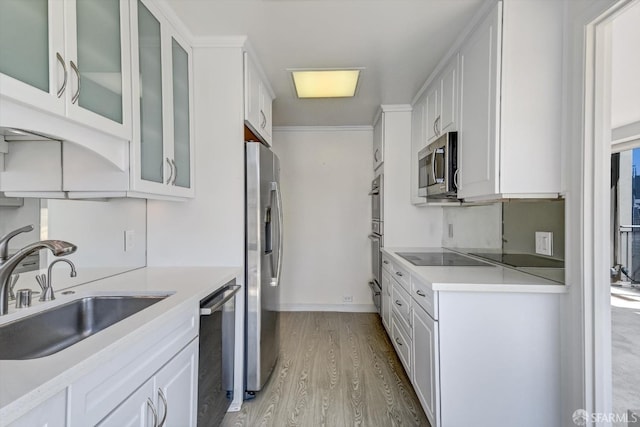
(347, 308)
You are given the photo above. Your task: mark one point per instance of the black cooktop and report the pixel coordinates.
(522, 260)
(441, 259)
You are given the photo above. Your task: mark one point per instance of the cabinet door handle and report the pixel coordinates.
(375, 155)
(64, 68)
(437, 123)
(153, 410)
(455, 178)
(398, 274)
(398, 341)
(419, 292)
(76, 95)
(166, 407)
(384, 261)
(175, 172)
(170, 171)
(263, 123)
(398, 303)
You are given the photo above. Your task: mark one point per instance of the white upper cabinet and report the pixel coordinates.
(378, 142)
(441, 107)
(448, 98)
(510, 121)
(432, 111)
(258, 100)
(69, 58)
(162, 144)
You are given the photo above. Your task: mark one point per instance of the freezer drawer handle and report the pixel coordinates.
(207, 310)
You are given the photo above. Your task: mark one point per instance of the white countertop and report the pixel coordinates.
(26, 383)
(474, 278)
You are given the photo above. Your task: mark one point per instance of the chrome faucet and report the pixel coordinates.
(57, 247)
(47, 283)
(4, 241)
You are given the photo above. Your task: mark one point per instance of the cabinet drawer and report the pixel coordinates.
(422, 293)
(387, 264)
(401, 303)
(402, 276)
(401, 343)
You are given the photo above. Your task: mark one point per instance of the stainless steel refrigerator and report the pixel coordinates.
(263, 204)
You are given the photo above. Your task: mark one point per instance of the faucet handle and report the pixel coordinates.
(12, 284)
(4, 240)
(42, 281)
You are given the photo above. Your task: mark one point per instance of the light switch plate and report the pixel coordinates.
(544, 243)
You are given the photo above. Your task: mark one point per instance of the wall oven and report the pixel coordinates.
(438, 168)
(377, 225)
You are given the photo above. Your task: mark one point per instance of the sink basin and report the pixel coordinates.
(52, 330)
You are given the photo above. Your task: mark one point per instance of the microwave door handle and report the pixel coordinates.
(433, 166)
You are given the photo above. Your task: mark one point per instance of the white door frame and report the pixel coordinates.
(587, 378)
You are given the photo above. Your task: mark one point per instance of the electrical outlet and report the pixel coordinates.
(347, 298)
(544, 243)
(129, 240)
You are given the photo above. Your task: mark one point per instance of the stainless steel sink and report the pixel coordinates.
(52, 330)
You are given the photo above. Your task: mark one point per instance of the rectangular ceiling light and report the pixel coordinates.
(325, 83)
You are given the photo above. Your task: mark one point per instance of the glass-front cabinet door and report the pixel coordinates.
(161, 148)
(100, 65)
(181, 115)
(33, 67)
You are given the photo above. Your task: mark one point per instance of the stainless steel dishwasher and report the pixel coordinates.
(217, 342)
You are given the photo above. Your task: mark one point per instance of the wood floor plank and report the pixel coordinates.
(334, 369)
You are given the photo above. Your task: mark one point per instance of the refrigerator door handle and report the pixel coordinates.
(275, 281)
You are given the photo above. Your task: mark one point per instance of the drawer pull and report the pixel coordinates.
(398, 341)
(398, 274)
(398, 303)
(422, 294)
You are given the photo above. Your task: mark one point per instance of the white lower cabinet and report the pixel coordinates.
(425, 379)
(176, 390)
(169, 398)
(477, 359)
(137, 410)
(50, 413)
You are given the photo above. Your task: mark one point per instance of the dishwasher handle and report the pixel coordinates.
(219, 300)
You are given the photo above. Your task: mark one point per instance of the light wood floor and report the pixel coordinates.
(335, 369)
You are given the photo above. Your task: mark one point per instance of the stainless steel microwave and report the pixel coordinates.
(438, 168)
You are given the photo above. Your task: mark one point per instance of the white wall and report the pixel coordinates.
(625, 68)
(209, 229)
(97, 228)
(325, 178)
(405, 225)
(473, 226)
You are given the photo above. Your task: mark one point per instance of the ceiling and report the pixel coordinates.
(398, 42)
